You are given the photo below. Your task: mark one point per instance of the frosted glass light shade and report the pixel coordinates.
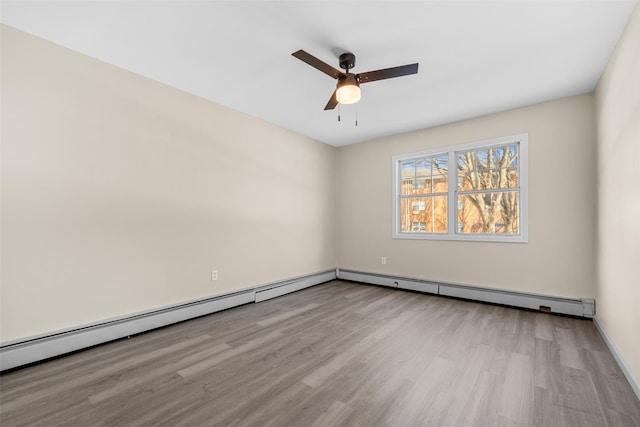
(348, 91)
(348, 94)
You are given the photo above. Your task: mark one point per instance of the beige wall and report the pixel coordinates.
(559, 258)
(618, 111)
(120, 194)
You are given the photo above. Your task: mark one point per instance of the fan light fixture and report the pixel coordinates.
(348, 87)
(348, 91)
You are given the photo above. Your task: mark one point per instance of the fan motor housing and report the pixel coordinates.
(347, 61)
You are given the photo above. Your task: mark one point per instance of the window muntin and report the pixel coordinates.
(487, 201)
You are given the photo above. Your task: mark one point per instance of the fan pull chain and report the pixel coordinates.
(338, 112)
(356, 115)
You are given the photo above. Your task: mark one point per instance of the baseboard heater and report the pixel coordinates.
(22, 352)
(277, 289)
(583, 307)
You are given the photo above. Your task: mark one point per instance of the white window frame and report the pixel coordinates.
(452, 234)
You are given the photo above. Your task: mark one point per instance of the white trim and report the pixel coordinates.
(633, 381)
(24, 351)
(582, 307)
(460, 147)
(452, 234)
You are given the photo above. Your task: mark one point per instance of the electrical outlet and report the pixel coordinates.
(214, 274)
(383, 260)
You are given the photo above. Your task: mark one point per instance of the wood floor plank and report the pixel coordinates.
(336, 354)
(543, 328)
(332, 416)
(517, 393)
(227, 354)
(484, 400)
(135, 379)
(287, 315)
(615, 394)
(321, 374)
(427, 388)
(579, 394)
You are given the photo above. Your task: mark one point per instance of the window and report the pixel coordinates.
(418, 226)
(418, 205)
(474, 191)
(423, 193)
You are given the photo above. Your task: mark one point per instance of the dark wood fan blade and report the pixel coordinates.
(316, 63)
(387, 73)
(332, 102)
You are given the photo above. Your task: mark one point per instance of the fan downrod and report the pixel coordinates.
(347, 61)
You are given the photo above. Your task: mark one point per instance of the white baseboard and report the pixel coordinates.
(584, 307)
(21, 352)
(633, 381)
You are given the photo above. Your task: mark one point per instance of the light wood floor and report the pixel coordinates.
(338, 354)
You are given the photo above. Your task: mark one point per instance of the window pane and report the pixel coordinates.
(418, 205)
(407, 186)
(418, 226)
(423, 176)
(407, 174)
(466, 169)
(432, 211)
(423, 167)
(489, 213)
(423, 185)
(440, 171)
(431, 175)
(438, 214)
(488, 169)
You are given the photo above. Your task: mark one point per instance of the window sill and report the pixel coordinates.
(462, 237)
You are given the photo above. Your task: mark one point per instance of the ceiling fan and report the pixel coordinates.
(348, 87)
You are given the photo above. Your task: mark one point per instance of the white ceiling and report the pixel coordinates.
(475, 57)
